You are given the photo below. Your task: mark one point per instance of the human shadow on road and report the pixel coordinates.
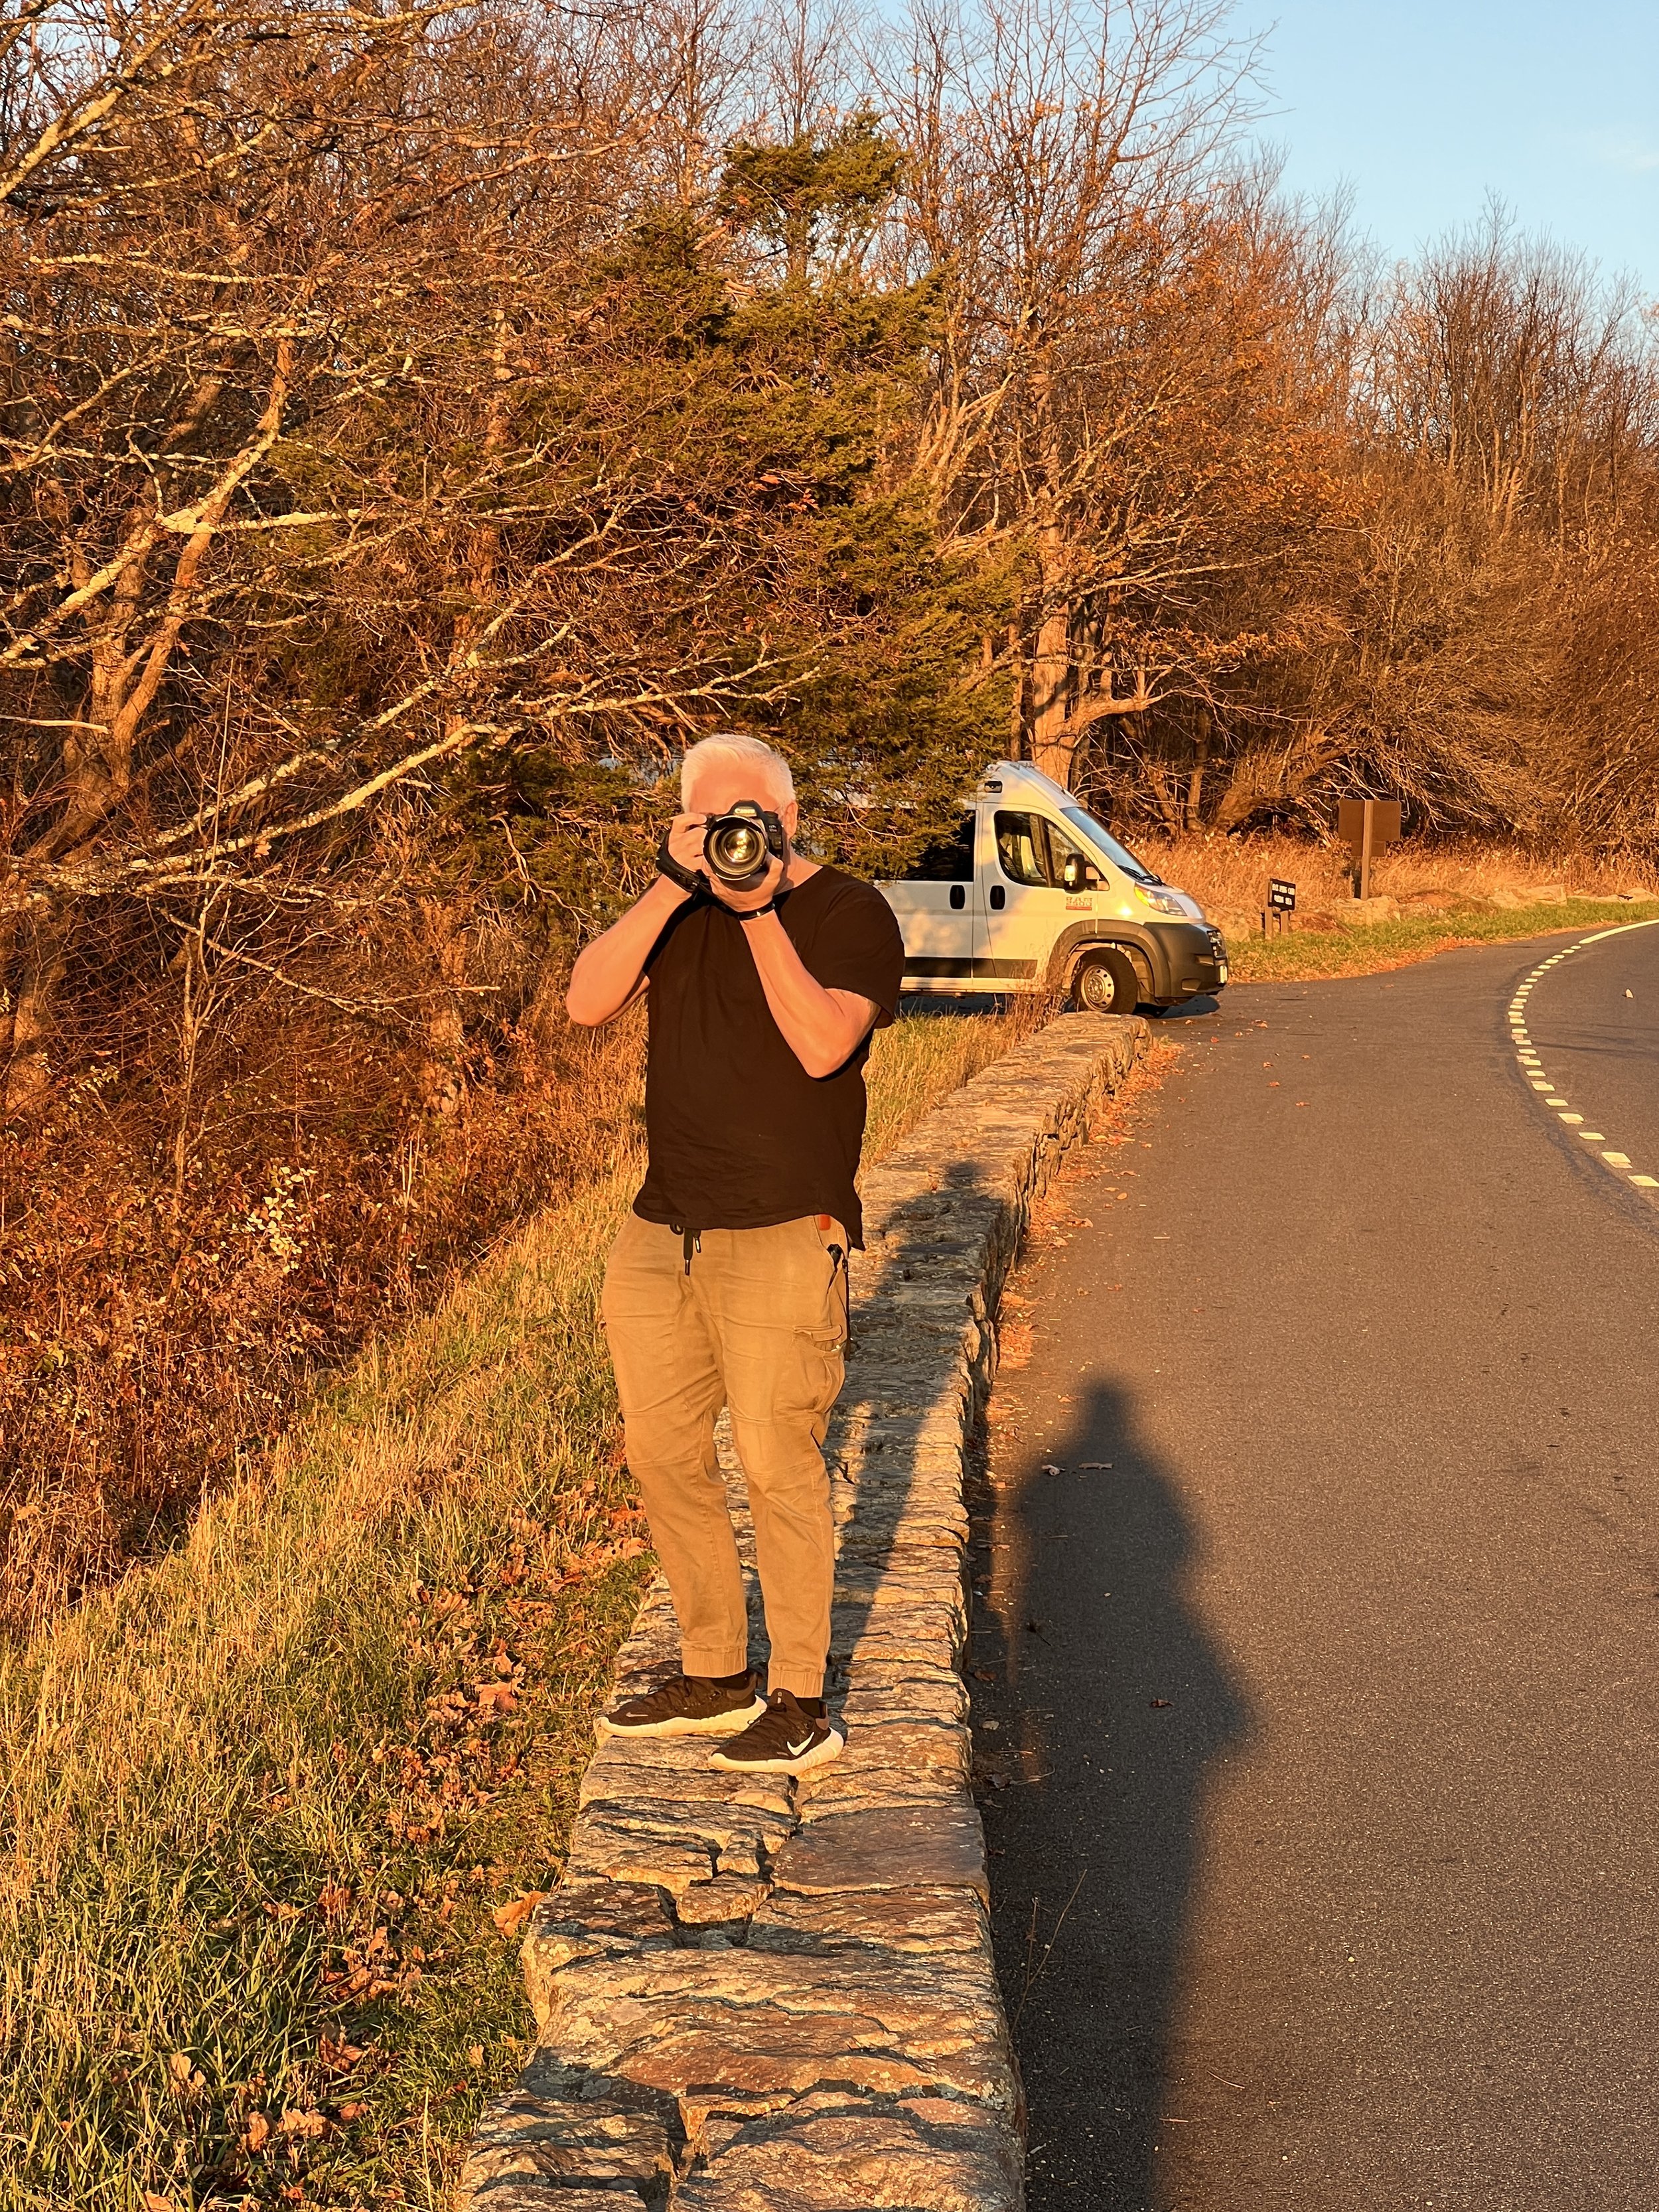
(1113, 1708)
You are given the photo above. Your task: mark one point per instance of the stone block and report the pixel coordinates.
(907, 1700)
(589, 1920)
(1358, 913)
(600, 1851)
(739, 1838)
(881, 1791)
(905, 1758)
(828, 2154)
(730, 1896)
(891, 1847)
(864, 1635)
(746, 2030)
(527, 2192)
(528, 2143)
(675, 1768)
(925, 1922)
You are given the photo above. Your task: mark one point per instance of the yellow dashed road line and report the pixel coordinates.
(1527, 1060)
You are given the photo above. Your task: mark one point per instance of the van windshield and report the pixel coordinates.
(1104, 841)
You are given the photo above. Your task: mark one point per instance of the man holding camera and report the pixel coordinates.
(764, 974)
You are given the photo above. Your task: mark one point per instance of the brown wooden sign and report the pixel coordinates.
(1367, 825)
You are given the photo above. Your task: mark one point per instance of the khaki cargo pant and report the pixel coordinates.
(760, 1325)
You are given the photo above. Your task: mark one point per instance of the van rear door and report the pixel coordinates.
(937, 903)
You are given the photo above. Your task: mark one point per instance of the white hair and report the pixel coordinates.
(731, 744)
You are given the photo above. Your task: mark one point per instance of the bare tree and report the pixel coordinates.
(1056, 157)
(314, 477)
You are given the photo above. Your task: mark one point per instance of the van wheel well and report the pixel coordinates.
(1132, 953)
(1107, 979)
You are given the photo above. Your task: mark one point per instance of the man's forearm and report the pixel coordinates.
(822, 1028)
(608, 971)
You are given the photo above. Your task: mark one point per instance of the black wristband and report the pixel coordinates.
(684, 878)
(755, 913)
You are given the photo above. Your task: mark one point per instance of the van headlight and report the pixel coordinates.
(1161, 902)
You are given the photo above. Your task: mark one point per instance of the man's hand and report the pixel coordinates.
(685, 835)
(750, 902)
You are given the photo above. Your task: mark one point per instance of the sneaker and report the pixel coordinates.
(783, 1739)
(685, 1705)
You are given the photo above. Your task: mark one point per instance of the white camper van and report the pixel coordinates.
(1030, 893)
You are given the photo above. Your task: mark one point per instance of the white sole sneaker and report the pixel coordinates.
(716, 1724)
(831, 1746)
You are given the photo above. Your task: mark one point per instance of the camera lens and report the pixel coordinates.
(735, 850)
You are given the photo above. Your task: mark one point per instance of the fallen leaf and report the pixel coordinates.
(333, 1900)
(259, 2131)
(155, 2204)
(1159, 1703)
(511, 1917)
(294, 2122)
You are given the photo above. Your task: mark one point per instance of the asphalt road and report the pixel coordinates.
(1320, 1678)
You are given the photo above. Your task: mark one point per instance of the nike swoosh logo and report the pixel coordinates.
(796, 1749)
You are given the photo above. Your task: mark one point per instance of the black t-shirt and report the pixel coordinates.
(740, 1135)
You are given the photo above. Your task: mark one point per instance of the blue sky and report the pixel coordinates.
(1426, 108)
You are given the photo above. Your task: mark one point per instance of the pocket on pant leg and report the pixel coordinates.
(783, 1375)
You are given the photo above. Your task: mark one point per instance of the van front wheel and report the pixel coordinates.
(1104, 982)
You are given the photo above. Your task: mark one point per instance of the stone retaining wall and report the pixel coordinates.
(757, 1993)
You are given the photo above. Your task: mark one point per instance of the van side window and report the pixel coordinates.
(948, 859)
(1021, 851)
(1069, 869)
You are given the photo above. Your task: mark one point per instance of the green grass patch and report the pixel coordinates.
(1318, 953)
(264, 1799)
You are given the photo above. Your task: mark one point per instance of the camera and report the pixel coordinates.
(741, 846)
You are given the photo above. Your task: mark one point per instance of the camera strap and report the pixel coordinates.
(684, 877)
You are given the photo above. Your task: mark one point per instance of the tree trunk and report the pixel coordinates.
(442, 1073)
(1053, 745)
(28, 1076)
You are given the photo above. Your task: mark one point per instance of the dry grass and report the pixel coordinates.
(1309, 954)
(928, 1053)
(1229, 876)
(262, 1797)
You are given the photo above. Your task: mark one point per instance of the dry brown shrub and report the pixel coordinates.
(153, 1336)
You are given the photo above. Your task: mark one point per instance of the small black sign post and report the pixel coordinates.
(1281, 903)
